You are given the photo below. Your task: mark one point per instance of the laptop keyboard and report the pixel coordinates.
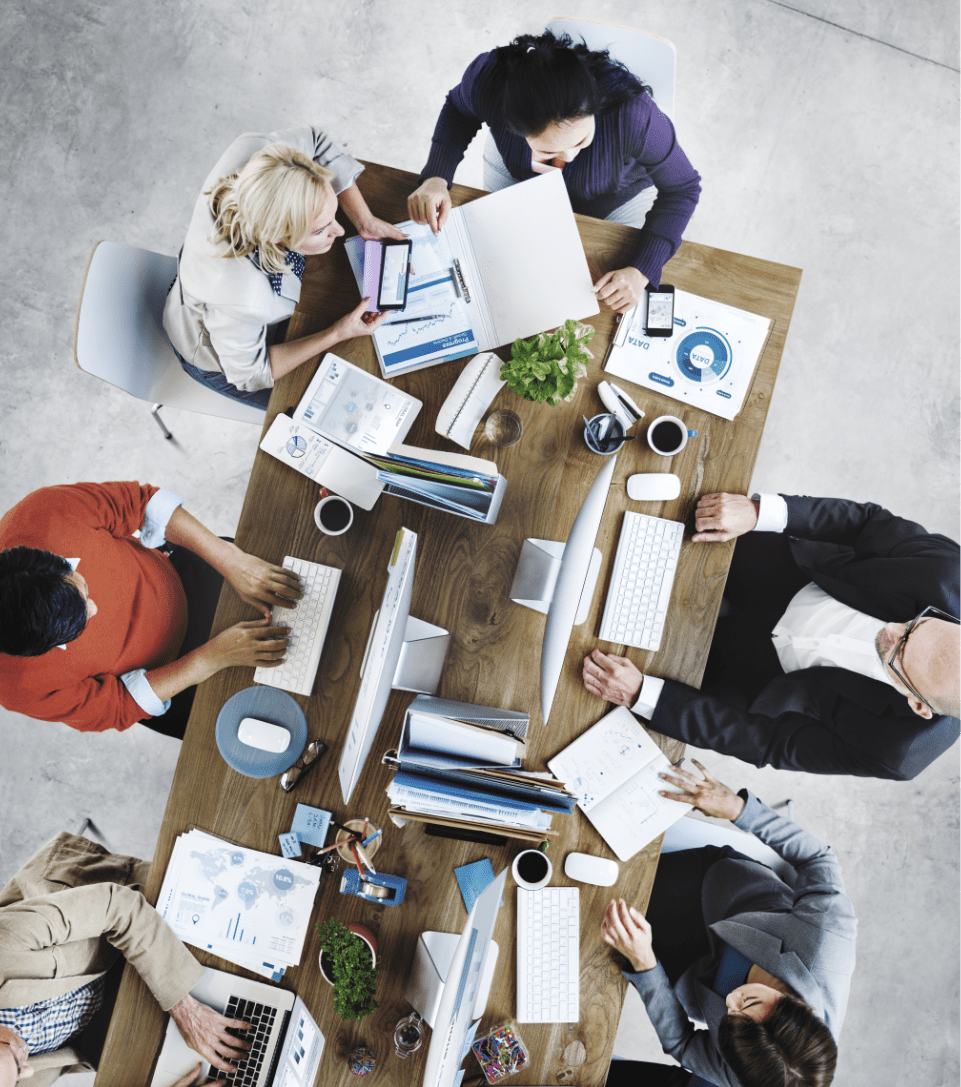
(261, 1019)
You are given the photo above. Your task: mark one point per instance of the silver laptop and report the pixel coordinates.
(286, 1043)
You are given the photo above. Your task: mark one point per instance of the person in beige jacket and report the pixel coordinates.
(65, 917)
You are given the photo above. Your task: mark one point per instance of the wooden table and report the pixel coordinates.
(464, 573)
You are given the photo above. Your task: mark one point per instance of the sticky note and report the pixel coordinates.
(473, 879)
(289, 844)
(310, 824)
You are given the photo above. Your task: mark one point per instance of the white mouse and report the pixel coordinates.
(263, 735)
(587, 869)
(653, 487)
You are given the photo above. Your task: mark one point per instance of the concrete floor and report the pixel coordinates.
(826, 135)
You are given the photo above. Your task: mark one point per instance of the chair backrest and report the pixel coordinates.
(120, 336)
(650, 58)
(692, 832)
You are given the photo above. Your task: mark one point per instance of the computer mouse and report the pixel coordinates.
(587, 869)
(263, 735)
(653, 486)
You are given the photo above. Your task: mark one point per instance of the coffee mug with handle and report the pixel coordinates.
(671, 438)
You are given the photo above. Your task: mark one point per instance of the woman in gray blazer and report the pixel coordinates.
(271, 200)
(728, 943)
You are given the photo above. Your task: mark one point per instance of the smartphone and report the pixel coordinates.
(394, 273)
(660, 310)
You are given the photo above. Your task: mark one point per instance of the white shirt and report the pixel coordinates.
(815, 630)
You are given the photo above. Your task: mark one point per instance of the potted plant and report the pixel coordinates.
(546, 367)
(348, 955)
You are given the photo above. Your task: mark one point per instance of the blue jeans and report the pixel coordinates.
(216, 382)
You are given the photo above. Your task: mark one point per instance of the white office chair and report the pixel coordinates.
(694, 831)
(650, 58)
(120, 335)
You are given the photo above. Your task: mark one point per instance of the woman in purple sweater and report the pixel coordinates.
(551, 104)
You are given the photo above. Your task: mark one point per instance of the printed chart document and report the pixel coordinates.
(248, 907)
(708, 363)
(507, 265)
(612, 769)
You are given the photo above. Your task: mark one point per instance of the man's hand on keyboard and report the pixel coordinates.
(721, 517)
(249, 643)
(628, 932)
(261, 584)
(612, 678)
(207, 1033)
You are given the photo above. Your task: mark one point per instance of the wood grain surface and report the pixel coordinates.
(464, 573)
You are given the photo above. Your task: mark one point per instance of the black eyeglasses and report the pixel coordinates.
(928, 613)
(310, 757)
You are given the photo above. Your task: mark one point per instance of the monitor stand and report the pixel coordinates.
(536, 576)
(421, 658)
(432, 961)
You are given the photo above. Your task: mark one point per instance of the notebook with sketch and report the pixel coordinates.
(507, 265)
(612, 769)
(286, 1043)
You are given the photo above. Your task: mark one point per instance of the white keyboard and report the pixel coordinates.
(548, 955)
(308, 624)
(641, 582)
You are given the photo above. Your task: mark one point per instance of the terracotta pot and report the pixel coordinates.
(359, 930)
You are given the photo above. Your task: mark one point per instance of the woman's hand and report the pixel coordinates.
(262, 584)
(359, 322)
(613, 678)
(708, 795)
(720, 517)
(373, 228)
(628, 932)
(206, 1032)
(430, 203)
(369, 227)
(621, 289)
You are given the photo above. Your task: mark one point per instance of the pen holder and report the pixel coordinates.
(604, 434)
(378, 887)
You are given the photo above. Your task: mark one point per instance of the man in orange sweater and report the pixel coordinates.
(99, 629)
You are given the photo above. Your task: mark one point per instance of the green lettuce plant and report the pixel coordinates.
(546, 367)
(352, 970)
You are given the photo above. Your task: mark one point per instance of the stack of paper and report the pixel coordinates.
(250, 908)
(455, 769)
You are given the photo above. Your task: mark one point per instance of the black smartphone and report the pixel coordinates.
(394, 273)
(660, 310)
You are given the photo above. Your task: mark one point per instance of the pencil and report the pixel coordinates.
(353, 850)
(607, 353)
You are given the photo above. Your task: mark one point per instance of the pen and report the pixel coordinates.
(373, 838)
(414, 320)
(607, 353)
(363, 856)
(353, 850)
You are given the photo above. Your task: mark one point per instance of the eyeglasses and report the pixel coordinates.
(310, 756)
(14, 1047)
(928, 613)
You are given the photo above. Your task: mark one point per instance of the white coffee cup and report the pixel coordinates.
(532, 857)
(325, 509)
(680, 439)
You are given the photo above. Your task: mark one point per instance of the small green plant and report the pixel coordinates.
(546, 367)
(352, 970)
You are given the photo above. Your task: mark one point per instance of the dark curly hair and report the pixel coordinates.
(790, 1047)
(546, 79)
(39, 608)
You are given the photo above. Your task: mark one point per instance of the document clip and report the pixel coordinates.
(376, 887)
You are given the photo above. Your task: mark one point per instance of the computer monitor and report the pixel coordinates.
(402, 652)
(569, 587)
(459, 1004)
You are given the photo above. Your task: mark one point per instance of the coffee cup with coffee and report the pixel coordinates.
(668, 435)
(333, 515)
(532, 869)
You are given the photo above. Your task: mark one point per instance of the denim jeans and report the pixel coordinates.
(216, 382)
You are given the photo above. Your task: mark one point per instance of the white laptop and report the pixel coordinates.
(286, 1046)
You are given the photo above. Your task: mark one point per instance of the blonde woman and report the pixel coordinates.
(270, 201)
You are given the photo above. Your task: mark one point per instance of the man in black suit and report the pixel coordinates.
(832, 660)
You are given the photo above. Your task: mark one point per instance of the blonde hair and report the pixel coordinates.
(269, 204)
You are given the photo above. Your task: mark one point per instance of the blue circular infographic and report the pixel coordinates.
(296, 446)
(283, 879)
(704, 356)
(236, 858)
(247, 891)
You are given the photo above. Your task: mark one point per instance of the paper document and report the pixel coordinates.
(613, 770)
(471, 396)
(708, 363)
(240, 904)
